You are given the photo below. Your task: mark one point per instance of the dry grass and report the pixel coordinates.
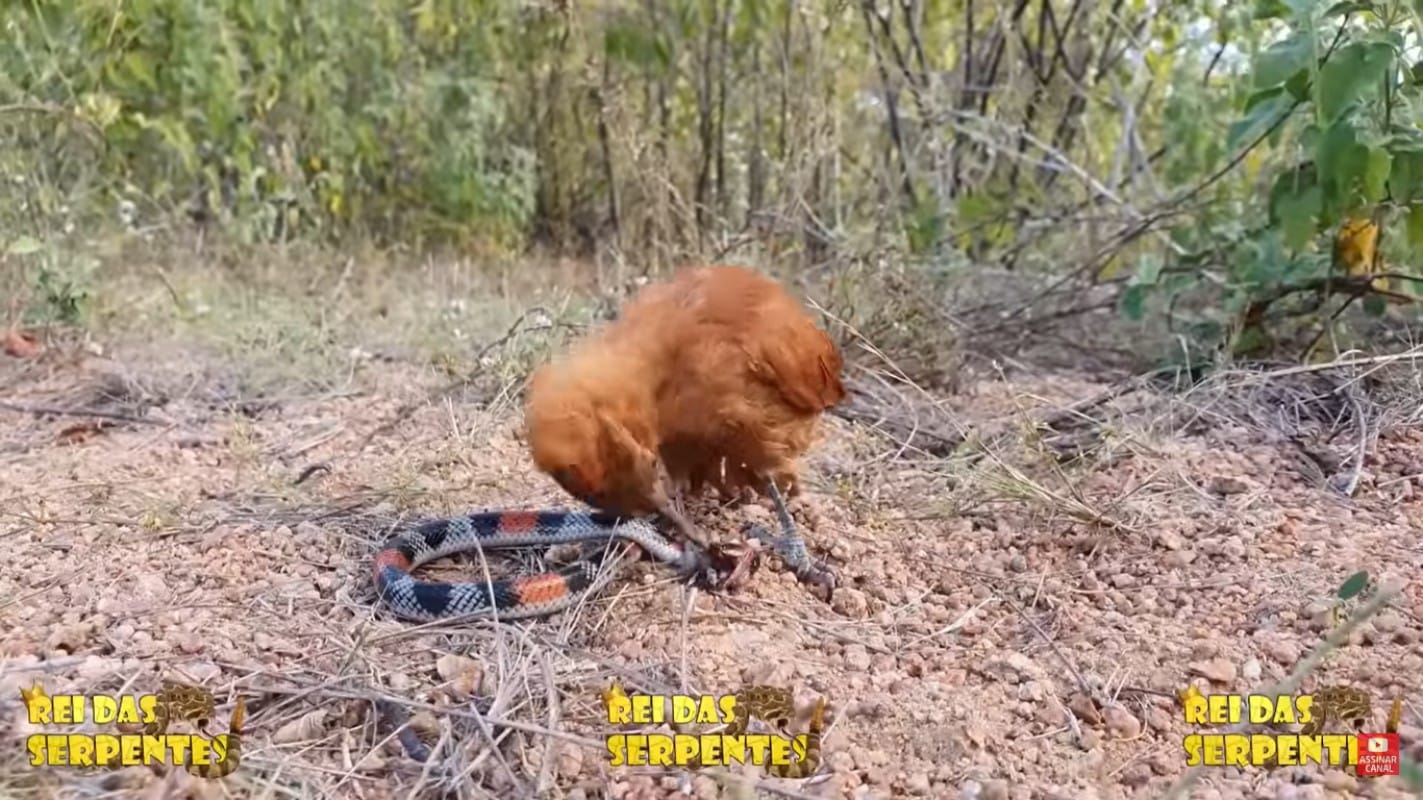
(1031, 567)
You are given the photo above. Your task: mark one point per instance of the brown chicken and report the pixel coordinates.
(716, 378)
(748, 377)
(591, 419)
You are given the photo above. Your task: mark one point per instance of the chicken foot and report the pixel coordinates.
(732, 565)
(791, 547)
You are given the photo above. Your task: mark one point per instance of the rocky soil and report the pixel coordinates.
(1006, 630)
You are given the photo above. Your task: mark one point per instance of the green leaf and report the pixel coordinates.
(1414, 226)
(1376, 174)
(1353, 585)
(1302, 8)
(633, 44)
(1353, 74)
(1262, 111)
(1348, 7)
(1405, 177)
(1290, 183)
(1342, 162)
(1270, 9)
(1284, 59)
(1375, 305)
(1299, 213)
(24, 246)
(1298, 85)
(1133, 302)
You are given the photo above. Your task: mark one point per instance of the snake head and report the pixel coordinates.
(731, 564)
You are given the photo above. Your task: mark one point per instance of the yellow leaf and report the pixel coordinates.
(101, 109)
(1356, 246)
(1395, 715)
(1253, 161)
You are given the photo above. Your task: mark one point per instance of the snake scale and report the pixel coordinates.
(518, 597)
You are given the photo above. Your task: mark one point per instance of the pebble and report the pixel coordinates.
(1121, 723)
(851, 603)
(918, 784)
(857, 657)
(1179, 559)
(1084, 709)
(1283, 652)
(1220, 670)
(1135, 775)
(1228, 485)
(1339, 781)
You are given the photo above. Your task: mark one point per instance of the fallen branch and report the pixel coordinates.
(43, 411)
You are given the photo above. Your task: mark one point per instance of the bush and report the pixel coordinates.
(281, 116)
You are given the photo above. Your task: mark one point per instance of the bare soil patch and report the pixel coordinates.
(1009, 627)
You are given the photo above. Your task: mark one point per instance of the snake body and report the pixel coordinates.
(511, 598)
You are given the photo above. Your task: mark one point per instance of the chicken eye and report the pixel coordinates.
(569, 480)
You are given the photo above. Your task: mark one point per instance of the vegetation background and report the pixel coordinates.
(1186, 163)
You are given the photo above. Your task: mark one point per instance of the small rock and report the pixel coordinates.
(1050, 714)
(995, 790)
(70, 638)
(1179, 559)
(1283, 652)
(203, 671)
(1219, 670)
(875, 776)
(1228, 485)
(851, 603)
(463, 673)
(1015, 667)
(1135, 775)
(1250, 671)
(1084, 709)
(1388, 621)
(1340, 781)
(1089, 740)
(918, 784)
(1121, 723)
(1169, 539)
(96, 668)
(971, 790)
(856, 657)
(1234, 548)
(570, 761)
(1158, 719)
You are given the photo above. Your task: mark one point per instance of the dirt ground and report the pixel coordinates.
(1006, 628)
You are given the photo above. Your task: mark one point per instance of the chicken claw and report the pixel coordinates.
(791, 547)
